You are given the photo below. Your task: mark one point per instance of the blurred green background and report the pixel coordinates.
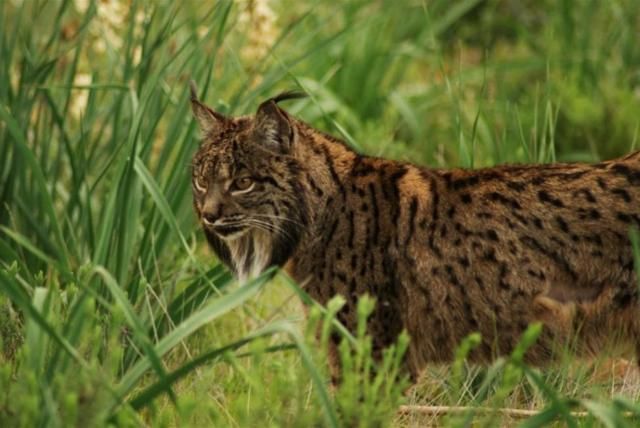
(112, 310)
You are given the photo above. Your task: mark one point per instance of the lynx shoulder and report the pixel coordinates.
(445, 252)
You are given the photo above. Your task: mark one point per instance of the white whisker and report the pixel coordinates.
(277, 217)
(270, 227)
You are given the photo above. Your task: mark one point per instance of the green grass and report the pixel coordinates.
(112, 310)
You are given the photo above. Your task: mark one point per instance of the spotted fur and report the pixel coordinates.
(445, 252)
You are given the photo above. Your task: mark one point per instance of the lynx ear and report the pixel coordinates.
(208, 120)
(273, 127)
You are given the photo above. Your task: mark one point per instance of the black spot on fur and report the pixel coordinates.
(563, 224)
(622, 193)
(632, 175)
(490, 255)
(601, 183)
(518, 186)
(538, 223)
(505, 200)
(587, 195)
(492, 235)
(464, 182)
(545, 197)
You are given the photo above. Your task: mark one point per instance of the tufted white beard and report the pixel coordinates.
(250, 253)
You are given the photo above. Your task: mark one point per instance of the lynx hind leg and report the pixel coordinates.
(610, 324)
(553, 313)
(558, 319)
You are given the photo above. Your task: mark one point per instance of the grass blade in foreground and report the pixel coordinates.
(210, 312)
(145, 397)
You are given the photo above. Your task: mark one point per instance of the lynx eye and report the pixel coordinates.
(199, 186)
(242, 184)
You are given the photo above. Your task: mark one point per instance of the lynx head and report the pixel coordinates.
(246, 185)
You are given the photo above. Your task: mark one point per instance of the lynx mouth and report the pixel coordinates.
(228, 231)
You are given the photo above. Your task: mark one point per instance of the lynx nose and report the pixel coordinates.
(209, 218)
(211, 210)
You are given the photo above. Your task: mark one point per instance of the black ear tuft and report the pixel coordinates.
(194, 90)
(289, 95)
(209, 121)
